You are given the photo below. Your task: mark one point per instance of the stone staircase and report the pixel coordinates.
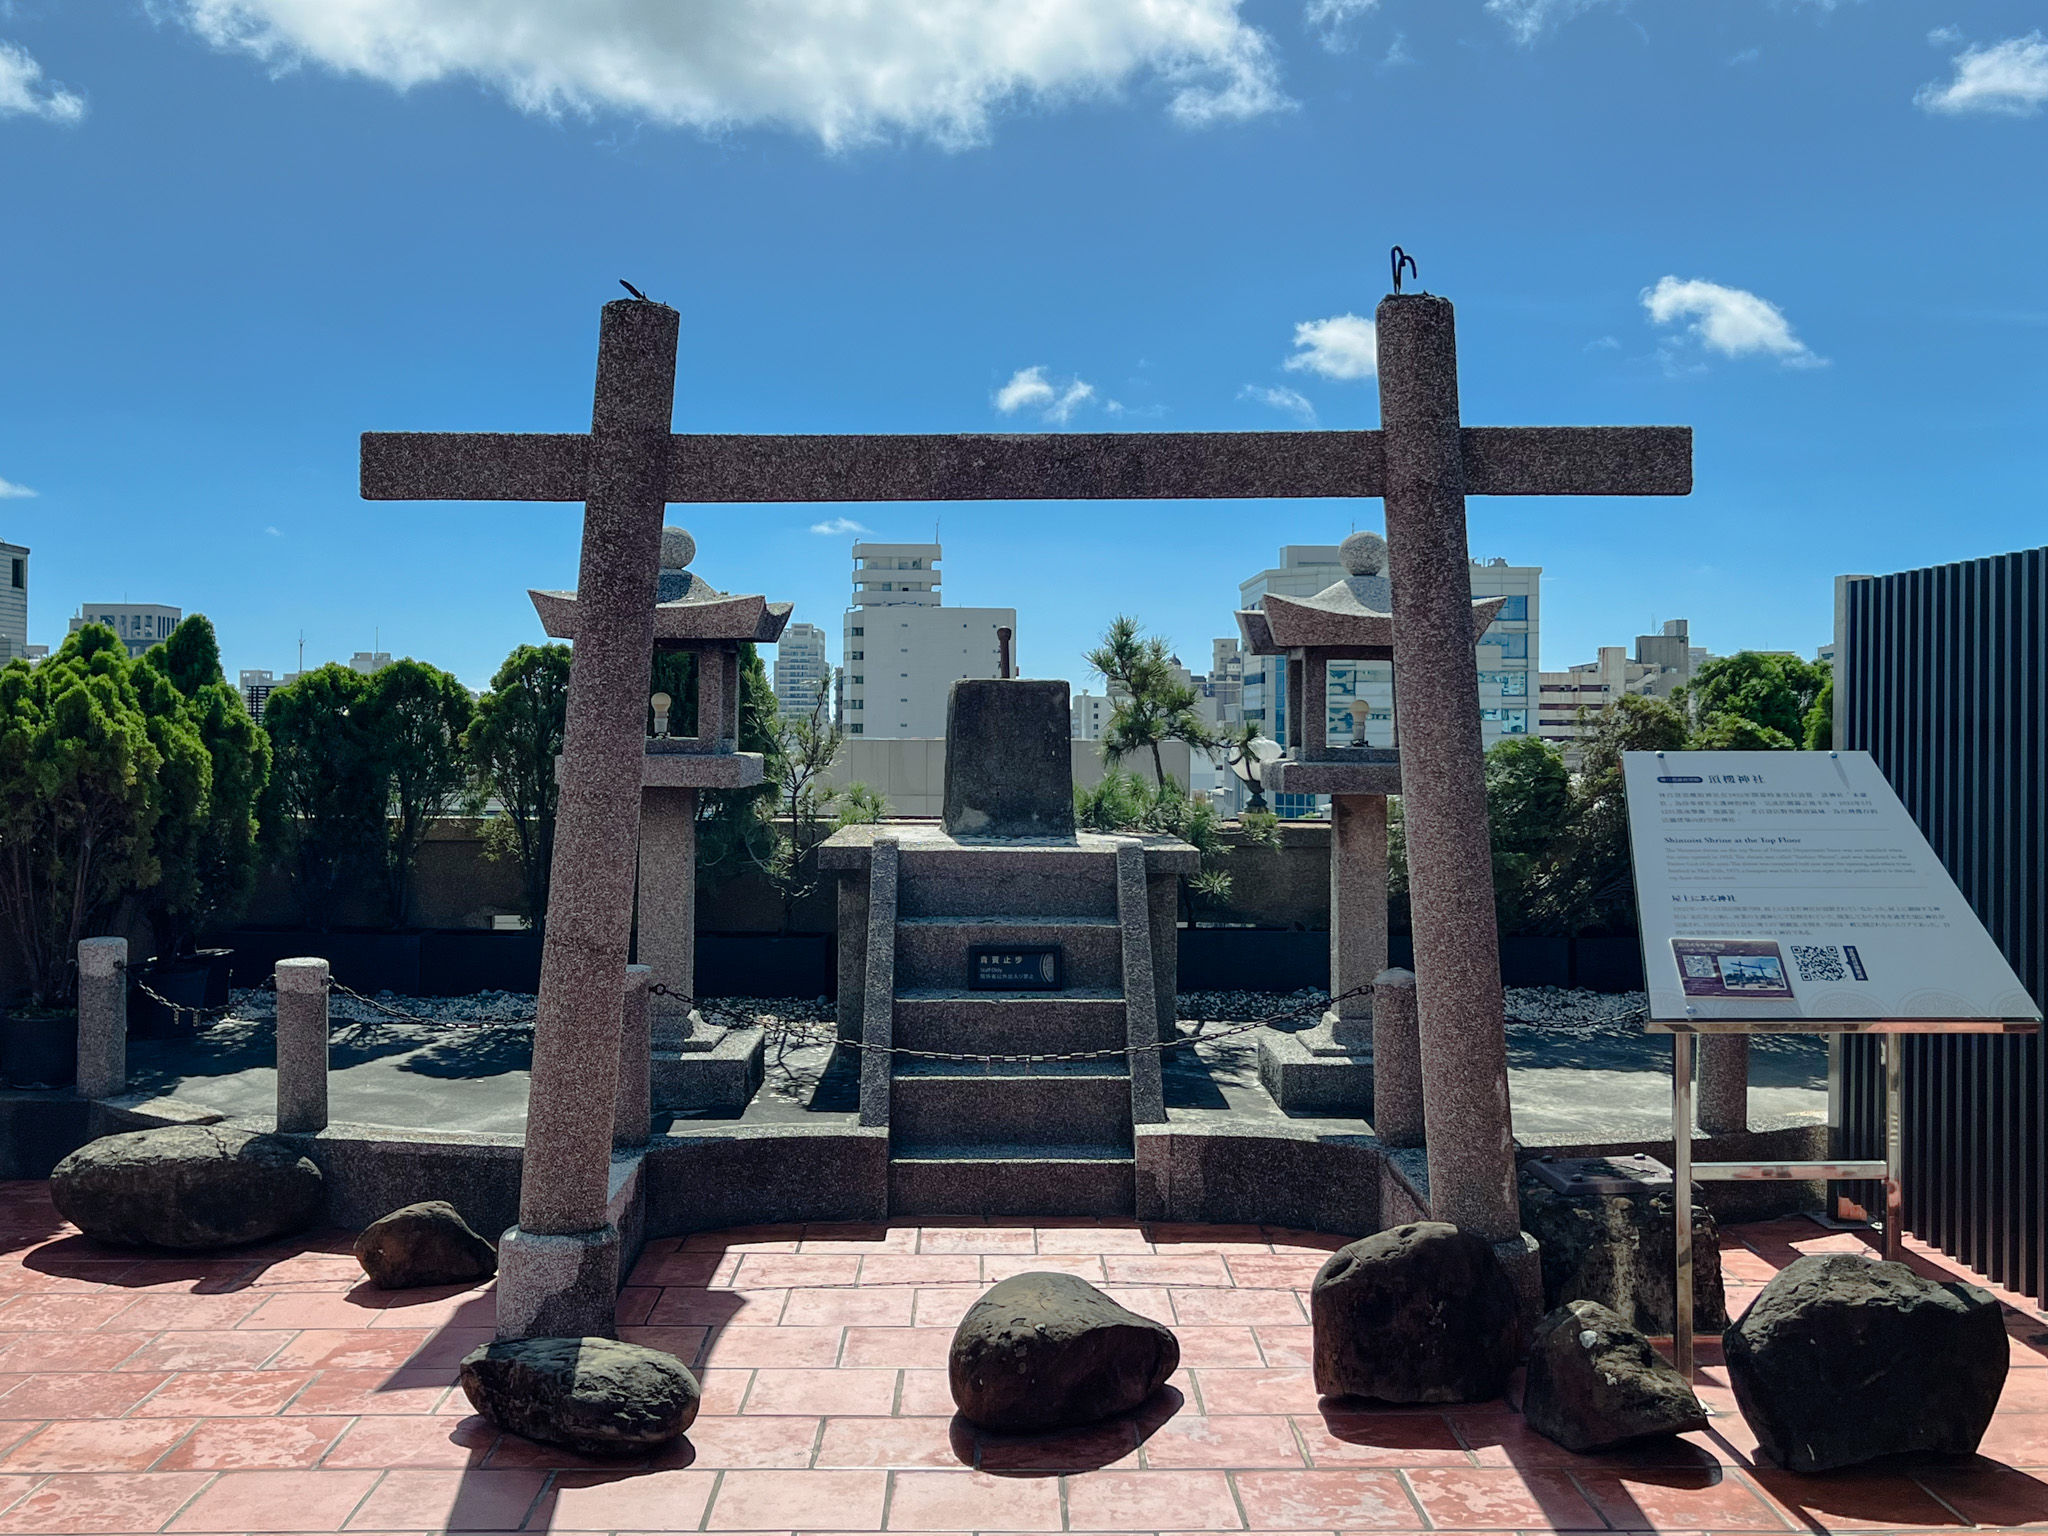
(1010, 1138)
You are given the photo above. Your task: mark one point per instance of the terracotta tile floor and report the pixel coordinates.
(272, 1392)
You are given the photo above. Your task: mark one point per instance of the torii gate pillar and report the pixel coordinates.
(1467, 1130)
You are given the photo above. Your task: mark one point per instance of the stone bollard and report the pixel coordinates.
(633, 1107)
(1724, 1084)
(302, 1045)
(102, 1018)
(1396, 1060)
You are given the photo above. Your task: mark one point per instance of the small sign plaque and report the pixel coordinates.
(1015, 968)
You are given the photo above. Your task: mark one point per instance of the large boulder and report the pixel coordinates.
(1044, 1351)
(1619, 1250)
(187, 1186)
(424, 1244)
(1422, 1313)
(1594, 1382)
(1841, 1358)
(597, 1396)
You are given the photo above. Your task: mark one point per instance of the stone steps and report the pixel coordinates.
(1016, 880)
(1010, 1023)
(932, 951)
(1009, 1138)
(945, 1103)
(1029, 1180)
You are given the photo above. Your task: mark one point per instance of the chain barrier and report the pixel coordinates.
(991, 1058)
(801, 1033)
(177, 1011)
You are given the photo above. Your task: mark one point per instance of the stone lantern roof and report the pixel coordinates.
(686, 606)
(1351, 619)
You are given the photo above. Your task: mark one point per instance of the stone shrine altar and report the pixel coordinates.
(695, 1065)
(933, 925)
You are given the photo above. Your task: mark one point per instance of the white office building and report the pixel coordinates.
(1571, 703)
(257, 687)
(1091, 713)
(140, 625)
(1361, 693)
(14, 602)
(902, 649)
(802, 676)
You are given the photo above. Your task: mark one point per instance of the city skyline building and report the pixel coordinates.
(903, 650)
(257, 685)
(14, 602)
(1091, 712)
(140, 625)
(802, 676)
(1570, 703)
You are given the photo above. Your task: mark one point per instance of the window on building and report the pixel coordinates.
(1515, 647)
(1515, 610)
(857, 630)
(856, 704)
(20, 574)
(857, 679)
(856, 729)
(1514, 722)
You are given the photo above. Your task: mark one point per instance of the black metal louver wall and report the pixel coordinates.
(1945, 683)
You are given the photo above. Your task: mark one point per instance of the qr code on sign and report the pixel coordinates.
(1819, 962)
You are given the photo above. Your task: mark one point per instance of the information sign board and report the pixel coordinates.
(1794, 885)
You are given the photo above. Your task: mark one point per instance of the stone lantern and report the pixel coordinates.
(1330, 1068)
(696, 1065)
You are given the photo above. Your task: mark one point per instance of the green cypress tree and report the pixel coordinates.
(78, 803)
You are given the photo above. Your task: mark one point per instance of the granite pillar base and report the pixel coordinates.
(722, 1077)
(1522, 1257)
(102, 1018)
(1311, 1073)
(558, 1287)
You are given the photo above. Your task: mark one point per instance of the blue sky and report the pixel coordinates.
(236, 233)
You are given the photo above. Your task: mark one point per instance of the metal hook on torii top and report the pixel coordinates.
(1401, 259)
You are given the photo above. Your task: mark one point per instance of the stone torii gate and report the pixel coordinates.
(559, 1266)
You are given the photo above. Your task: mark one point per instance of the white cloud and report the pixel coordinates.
(838, 525)
(1292, 401)
(1329, 18)
(8, 490)
(273, 533)
(2008, 78)
(1730, 321)
(1528, 20)
(847, 71)
(1030, 390)
(1341, 347)
(22, 93)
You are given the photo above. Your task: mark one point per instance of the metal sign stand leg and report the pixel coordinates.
(1894, 1191)
(1681, 1201)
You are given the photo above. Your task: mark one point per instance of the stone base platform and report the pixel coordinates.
(720, 1080)
(1309, 1073)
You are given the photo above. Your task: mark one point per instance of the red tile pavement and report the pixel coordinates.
(274, 1391)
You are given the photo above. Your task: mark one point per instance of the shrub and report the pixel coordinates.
(415, 716)
(324, 808)
(210, 879)
(512, 744)
(78, 802)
